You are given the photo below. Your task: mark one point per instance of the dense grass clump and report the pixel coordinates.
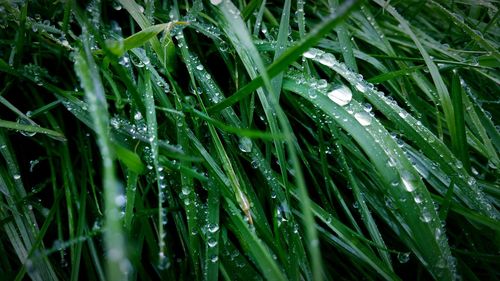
(242, 140)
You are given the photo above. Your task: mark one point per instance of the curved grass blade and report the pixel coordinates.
(433, 147)
(420, 220)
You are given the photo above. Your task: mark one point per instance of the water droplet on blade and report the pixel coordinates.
(312, 53)
(245, 144)
(363, 118)
(403, 257)
(341, 96)
(138, 116)
(212, 242)
(408, 179)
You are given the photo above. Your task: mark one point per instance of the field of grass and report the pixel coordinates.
(249, 140)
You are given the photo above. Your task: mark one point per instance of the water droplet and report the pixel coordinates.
(245, 144)
(212, 242)
(33, 163)
(363, 118)
(58, 245)
(438, 233)
(120, 200)
(341, 95)
(312, 93)
(17, 176)
(255, 163)
(312, 53)
(116, 6)
(407, 178)
(403, 257)
(216, 2)
(124, 61)
(214, 258)
(138, 62)
(426, 216)
(390, 203)
(163, 262)
(138, 116)
(185, 190)
(213, 228)
(322, 83)
(200, 67)
(360, 87)
(24, 121)
(327, 59)
(471, 181)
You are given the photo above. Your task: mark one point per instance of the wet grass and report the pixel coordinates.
(278, 140)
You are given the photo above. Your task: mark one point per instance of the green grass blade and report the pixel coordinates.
(401, 181)
(114, 238)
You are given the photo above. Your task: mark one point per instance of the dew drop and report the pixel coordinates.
(403, 257)
(185, 190)
(363, 118)
(17, 176)
(327, 59)
(24, 121)
(213, 228)
(215, 2)
(322, 83)
(341, 96)
(212, 242)
(138, 116)
(33, 163)
(124, 61)
(312, 53)
(360, 87)
(163, 262)
(426, 216)
(407, 179)
(368, 107)
(120, 200)
(438, 233)
(471, 181)
(245, 144)
(116, 6)
(312, 93)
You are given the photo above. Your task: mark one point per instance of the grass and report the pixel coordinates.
(278, 140)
